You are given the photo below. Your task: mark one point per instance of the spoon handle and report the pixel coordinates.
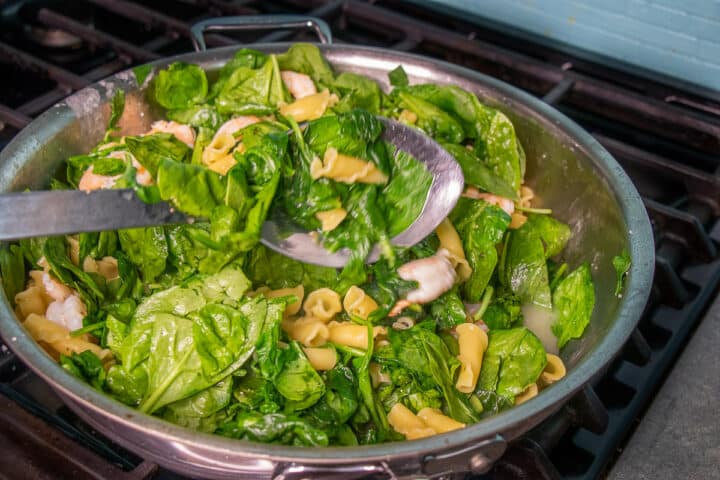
(61, 212)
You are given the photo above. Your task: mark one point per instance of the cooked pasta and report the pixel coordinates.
(351, 334)
(433, 418)
(450, 241)
(405, 422)
(472, 342)
(307, 108)
(57, 340)
(345, 169)
(554, 371)
(309, 331)
(358, 303)
(292, 308)
(31, 301)
(321, 358)
(530, 392)
(217, 154)
(330, 219)
(322, 304)
(377, 376)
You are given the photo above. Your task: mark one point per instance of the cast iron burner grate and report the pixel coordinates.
(665, 136)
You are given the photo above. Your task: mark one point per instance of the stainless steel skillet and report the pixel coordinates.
(570, 172)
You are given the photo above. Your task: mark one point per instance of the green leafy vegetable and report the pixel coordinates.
(573, 300)
(398, 77)
(85, 366)
(12, 270)
(514, 359)
(181, 85)
(621, 264)
(481, 227)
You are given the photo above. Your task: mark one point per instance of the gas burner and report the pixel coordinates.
(52, 37)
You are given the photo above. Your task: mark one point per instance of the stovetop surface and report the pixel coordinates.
(667, 139)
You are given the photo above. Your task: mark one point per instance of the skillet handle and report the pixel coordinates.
(258, 22)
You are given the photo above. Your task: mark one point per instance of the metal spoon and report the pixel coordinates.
(61, 212)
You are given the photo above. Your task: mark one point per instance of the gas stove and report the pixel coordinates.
(667, 138)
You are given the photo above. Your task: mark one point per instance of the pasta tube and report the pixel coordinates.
(472, 342)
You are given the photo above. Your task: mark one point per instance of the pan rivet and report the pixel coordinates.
(479, 463)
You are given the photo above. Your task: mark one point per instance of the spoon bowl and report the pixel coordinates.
(283, 236)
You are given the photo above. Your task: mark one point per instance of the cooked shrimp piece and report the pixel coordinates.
(56, 290)
(435, 275)
(91, 181)
(502, 202)
(182, 132)
(142, 176)
(69, 312)
(299, 84)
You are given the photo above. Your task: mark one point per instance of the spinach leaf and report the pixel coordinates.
(266, 267)
(423, 352)
(253, 91)
(503, 312)
(340, 401)
(350, 133)
(12, 270)
(448, 310)
(433, 120)
(246, 58)
(398, 77)
(573, 301)
(302, 196)
(380, 428)
(194, 189)
(151, 150)
(514, 359)
(204, 411)
(404, 388)
(181, 85)
(621, 264)
(147, 249)
(524, 270)
(306, 58)
(461, 104)
(298, 381)
(406, 192)
(184, 253)
(86, 366)
(288, 429)
(56, 254)
(356, 91)
(182, 346)
(97, 245)
(553, 233)
(481, 227)
(501, 150)
(197, 116)
(32, 249)
(117, 106)
(478, 174)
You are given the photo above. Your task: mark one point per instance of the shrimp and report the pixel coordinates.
(56, 290)
(502, 202)
(142, 176)
(182, 132)
(435, 275)
(69, 312)
(91, 181)
(299, 84)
